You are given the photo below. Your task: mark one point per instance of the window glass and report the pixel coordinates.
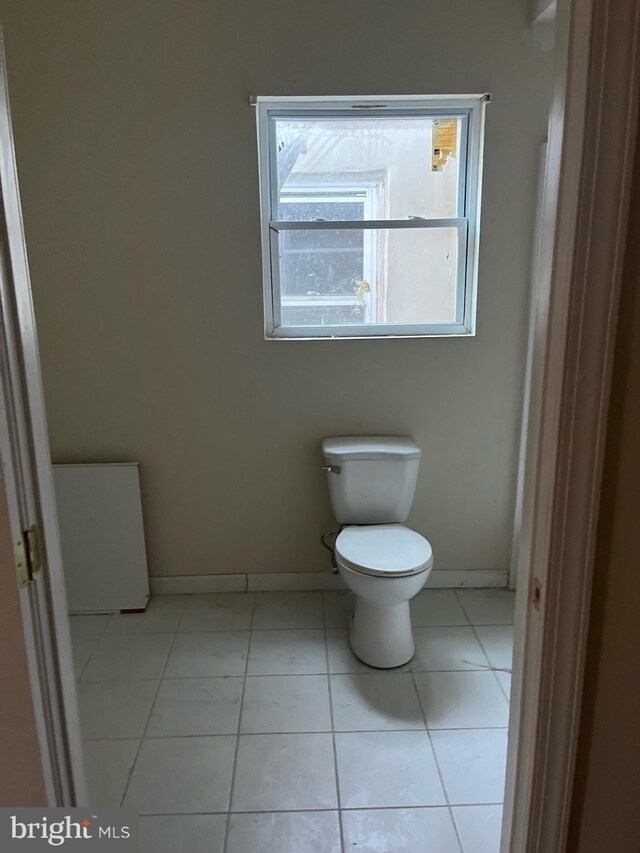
(366, 276)
(410, 166)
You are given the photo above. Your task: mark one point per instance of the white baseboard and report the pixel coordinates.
(471, 578)
(262, 581)
(175, 584)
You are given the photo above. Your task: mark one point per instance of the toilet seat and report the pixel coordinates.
(384, 550)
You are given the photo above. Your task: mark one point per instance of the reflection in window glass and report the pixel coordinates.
(363, 276)
(413, 162)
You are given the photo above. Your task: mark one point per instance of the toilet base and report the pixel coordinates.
(382, 636)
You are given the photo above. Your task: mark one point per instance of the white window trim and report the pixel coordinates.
(469, 107)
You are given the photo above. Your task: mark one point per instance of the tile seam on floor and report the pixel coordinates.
(436, 762)
(464, 609)
(294, 674)
(296, 732)
(472, 622)
(333, 731)
(494, 669)
(91, 653)
(328, 810)
(240, 713)
(153, 704)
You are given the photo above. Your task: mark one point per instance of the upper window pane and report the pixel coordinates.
(390, 167)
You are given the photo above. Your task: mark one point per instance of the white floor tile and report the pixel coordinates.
(454, 700)
(115, 709)
(427, 830)
(387, 769)
(195, 833)
(288, 610)
(83, 647)
(505, 682)
(375, 701)
(81, 624)
(120, 657)
(210, 654)
(161, 616)
(284, 772)
(284, 832)
(220, 611)
(338, 609)
(472, 762)
(479, 828)
(196, 706)
(440, 649)
(188, 774)
(286, 703)
(488, 606)
(436, 607)
(497, 641)
(107, 764)
(341, 658)
(287, 653)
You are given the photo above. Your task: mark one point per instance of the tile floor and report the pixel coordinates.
(242, 723)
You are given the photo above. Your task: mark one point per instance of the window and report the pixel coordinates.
(370, 214)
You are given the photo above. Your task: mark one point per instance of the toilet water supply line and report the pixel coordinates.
(332, 548)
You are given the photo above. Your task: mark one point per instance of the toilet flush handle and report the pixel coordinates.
(332, 469)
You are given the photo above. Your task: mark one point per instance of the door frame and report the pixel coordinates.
(27, 480)
(583, 231)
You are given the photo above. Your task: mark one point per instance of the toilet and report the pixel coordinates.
(372, 481)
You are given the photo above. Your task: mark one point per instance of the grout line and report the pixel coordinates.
(436, 762)
(296, 732)
(153, 704)
(290, 674)
(491, 667)
(235, 754)
(333, 731)
(97, 634)
(326, 811)
(506, 693)
(461, 603)
(272, 629)
(496, 669)
(86, 663)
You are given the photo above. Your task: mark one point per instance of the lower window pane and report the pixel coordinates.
(338, 277)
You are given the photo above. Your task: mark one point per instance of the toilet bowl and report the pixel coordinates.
(385, 565)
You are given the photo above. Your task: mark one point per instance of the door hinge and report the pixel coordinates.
(28, 562)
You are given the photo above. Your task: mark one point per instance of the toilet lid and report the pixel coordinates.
(383, 549)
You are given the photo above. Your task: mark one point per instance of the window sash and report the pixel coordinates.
(463, 115)
(364, 224)
(274, 310)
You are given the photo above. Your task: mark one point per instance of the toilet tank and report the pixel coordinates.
(372, 480)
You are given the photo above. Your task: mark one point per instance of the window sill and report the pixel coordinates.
(370, 337)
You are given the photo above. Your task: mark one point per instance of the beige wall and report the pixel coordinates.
(137, 159)
(605, 814)
(21, 779)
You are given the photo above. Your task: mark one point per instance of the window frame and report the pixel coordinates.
(471, 110)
